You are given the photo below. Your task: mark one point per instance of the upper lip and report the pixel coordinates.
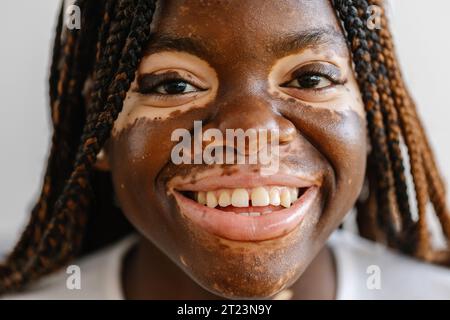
(241, 180)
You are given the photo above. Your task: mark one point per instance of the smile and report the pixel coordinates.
(253, 211)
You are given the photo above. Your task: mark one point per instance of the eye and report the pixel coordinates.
(315, 76)
(310, 81)
(167, 84)
(175, 87)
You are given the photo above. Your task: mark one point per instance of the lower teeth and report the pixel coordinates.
(254, 214)
(250, 214)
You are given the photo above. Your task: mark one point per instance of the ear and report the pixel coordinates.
(102, 163)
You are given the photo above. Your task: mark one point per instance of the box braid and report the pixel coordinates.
(392, 120)
(355, 26)
(108, 48)
(113, 34)
(400, 214)
(434, 181)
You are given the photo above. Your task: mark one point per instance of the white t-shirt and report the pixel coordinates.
(365, 270)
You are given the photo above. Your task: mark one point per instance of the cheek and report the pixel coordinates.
(135, 162)
(340, 136)
(138, 155)
(141, 142)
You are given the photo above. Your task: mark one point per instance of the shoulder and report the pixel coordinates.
(99, 277)
(368, 270)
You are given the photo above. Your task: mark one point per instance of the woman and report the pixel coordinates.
(317, 74)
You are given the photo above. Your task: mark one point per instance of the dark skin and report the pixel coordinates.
(146, 265)
(238, 68)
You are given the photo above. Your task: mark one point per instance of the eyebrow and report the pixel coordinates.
(310, 38)
(288, 43)
(167, 42)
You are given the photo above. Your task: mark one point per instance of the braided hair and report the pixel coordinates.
(108, 49)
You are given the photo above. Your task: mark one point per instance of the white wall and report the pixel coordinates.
(26, 28)
(422, 33)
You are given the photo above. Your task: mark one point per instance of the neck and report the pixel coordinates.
(150, 274)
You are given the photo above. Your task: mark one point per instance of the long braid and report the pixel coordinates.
(434, 179)
(62, 236)
(357, 39)
(400, 121)
(392, 125)
(408, 121)
(58, 82)
(435, 184)
(66, 122)
(75, 196)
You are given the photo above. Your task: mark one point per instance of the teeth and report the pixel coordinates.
(240, 198)
(260, 197)
(245, 214)
(224, 198)
(211, 200)
(254, 214)
(275, 197)
(285, 198)
(201, 197)
(294, 194)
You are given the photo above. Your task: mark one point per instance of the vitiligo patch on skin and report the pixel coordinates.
(138, 105)
(342, 98)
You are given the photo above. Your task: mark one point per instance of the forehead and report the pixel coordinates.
(248, 28)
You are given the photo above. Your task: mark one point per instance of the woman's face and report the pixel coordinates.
(280, 66)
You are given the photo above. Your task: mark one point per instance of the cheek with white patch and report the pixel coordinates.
(138, 105)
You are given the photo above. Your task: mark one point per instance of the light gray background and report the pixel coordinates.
(421, 30)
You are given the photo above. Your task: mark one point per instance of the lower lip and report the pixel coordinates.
(233, 226)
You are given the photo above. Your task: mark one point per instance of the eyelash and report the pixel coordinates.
(164, 79)
(316, 70)
(313, 70)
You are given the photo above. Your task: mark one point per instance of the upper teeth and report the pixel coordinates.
(285, 198)
(211, 200)
(260, 197)
(275, 197)
(224, 198)
(240, 197)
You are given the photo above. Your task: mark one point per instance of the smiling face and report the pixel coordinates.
(234, 65)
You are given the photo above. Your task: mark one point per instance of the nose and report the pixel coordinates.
(255, 112)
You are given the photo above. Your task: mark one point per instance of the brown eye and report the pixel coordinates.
(175, 87)
(167, 84)
(310, 82)
(315, 76)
